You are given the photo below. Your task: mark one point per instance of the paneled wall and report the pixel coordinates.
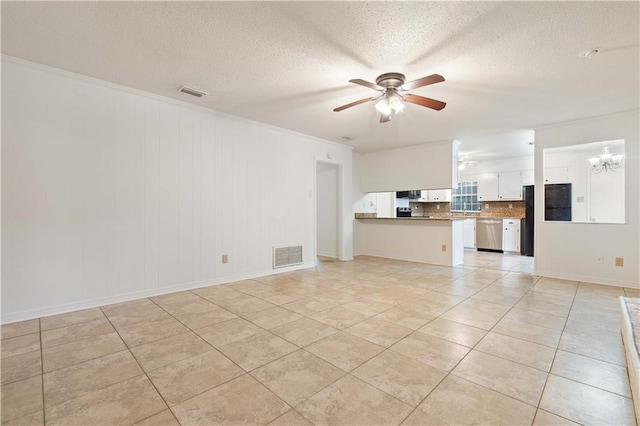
(110, 194)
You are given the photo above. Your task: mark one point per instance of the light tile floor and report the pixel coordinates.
(372, 341)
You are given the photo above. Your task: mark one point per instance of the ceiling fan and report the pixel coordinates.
(393, 90)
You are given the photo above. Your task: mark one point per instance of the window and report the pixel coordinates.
(465, 197)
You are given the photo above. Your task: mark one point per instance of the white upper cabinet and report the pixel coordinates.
(528, 177)
(557, 174)
(510, 186)
(501, 186)
(435, 195)
(488, 186)
(439, 195)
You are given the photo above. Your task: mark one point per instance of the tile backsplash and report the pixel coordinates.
(513, 209)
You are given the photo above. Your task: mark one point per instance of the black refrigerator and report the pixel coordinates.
(526, 225)
(557, 202)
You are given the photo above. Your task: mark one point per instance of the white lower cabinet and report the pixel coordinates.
(469, 233)
(511, 235)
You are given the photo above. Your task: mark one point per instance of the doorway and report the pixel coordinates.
(328, 221)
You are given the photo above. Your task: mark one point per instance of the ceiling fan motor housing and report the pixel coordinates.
(390, 80)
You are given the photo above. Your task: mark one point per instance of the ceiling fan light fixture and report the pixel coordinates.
(396, 104)
(463, 164)
(383, 106)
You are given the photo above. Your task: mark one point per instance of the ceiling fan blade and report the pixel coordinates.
(385, 118)
(361, 101)
(366, 84)
(425, 102)
(424, 81)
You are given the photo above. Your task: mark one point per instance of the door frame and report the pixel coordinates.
(339, 196)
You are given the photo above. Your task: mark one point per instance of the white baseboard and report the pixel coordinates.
(93, 303)
(586, 279)
(326, 254)
(631, 354)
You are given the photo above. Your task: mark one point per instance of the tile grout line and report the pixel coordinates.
(465, 298)
(302, 348)
(388, 348)
(586, 356)
(461, 359)
(245, 372)
(368, 316)
(140, 366)
(199, 336)
(44, 412)
(212, 347)
(544, 387)
(404, 337)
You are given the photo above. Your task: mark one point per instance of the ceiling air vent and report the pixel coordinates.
(192, 92)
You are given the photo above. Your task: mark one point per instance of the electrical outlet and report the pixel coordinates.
(599, 259)
(619, 261)
(437, 206)
(486, 206)
(510, 206)
(444, 247)
(225, 258)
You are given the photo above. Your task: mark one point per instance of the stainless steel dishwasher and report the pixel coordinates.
(489, 234)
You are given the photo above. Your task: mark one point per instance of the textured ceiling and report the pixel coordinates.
(508, 65)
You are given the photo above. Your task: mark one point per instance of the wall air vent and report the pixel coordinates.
(287, 256)
(192, 92)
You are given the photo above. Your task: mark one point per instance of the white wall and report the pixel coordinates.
(428, 166)
(386, 204)
(327, 209)
(362, 202)
(110, 194)
(568, 250)
(496, 166)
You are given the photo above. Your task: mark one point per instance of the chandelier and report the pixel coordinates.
(606, 161)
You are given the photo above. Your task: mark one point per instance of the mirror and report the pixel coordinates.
(585, 183)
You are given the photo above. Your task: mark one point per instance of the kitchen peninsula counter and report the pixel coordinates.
(413, 218)
(433, 240)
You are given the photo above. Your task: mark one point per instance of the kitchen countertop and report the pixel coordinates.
(413, 218)
(373, 216)
(491, 217)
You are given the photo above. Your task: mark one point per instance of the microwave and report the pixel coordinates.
(412, 195)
